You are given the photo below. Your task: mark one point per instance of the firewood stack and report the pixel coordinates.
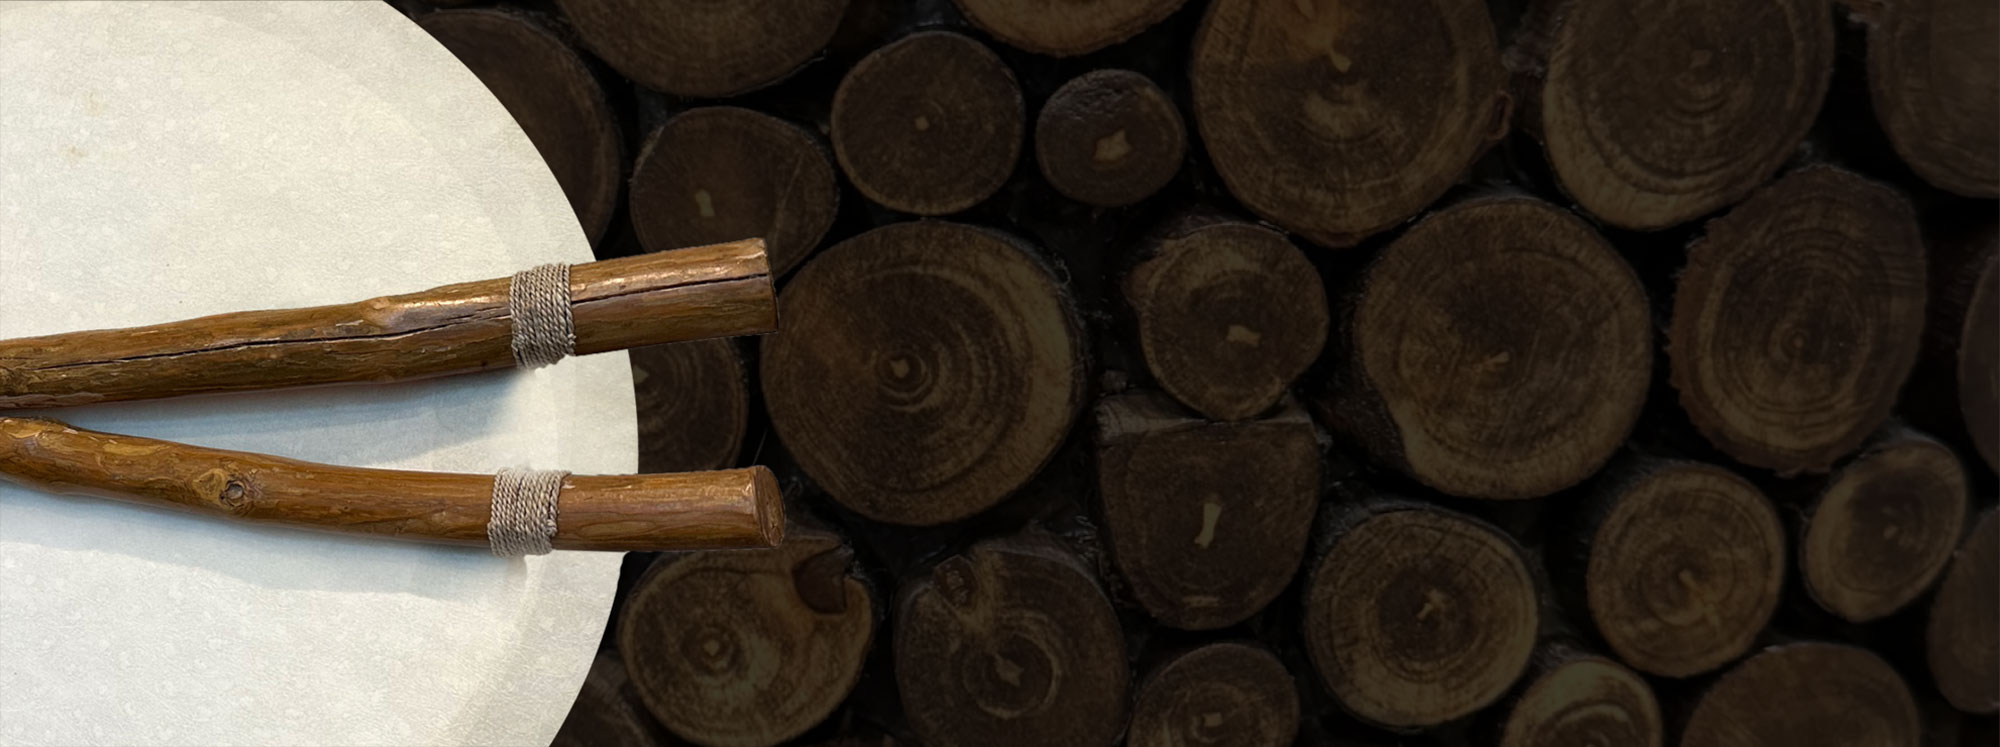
(1325, 372)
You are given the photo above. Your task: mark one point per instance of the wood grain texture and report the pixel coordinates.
(716, 173)
(1806, 695)
(728, 509)
(1962, 639)
(1109, 138)
(1955, 389)
(713, 291)
(930, 124)
(1572, 698)
(1224, 694)
(1339, 120)
(1934, 76)
(1065, 28)
(606, 712)
(1883, 525)
(705, 49)
(694, 405)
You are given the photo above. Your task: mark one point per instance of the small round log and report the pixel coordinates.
(723, 173)
(1498, 349)
(1963, 638)
(923, 371)
(1109, 138)
(1798, 318)
(1806, 695)
(1011, 642)
(1883, 526)
(694, 405)
(1932, 75)
(930, 124)
(1655, 114)
(1416, 615)
(1207, 522)
(605, 713)
(1955, 388)
(1063, 28)
(748, 648)
(1228, 315)
(552, 95)
(1232, 694)
(1575, 698)
(701, 48)
(1337, 120)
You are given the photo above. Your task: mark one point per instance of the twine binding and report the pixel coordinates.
(538, 301)
(523, 521)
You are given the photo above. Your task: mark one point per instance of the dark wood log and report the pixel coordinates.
(1339, 120)
(728, 509)
(748, 648)
(694, 405)
(716, 173)
(1806, 695)
(1063, 29)
(1679, 564)
(930, 124)
(1955, 389)
(1416, 615)
(713, 291)
(1011, 642)
(555, 98)
(1207, 521)
(699, 48)
(1235, 694)
(606, 713)
(1572, 697)
(1797, 320)
(924, 370)
(1963, 638)
(1228, 314)
(1498, 349)
(1654, 115)
(1932, 75)
(1880, 529)
(1109, 138)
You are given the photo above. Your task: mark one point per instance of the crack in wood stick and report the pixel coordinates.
(740, 508)
(720, 290)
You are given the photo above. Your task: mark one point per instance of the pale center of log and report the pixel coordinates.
(1113, 148)
(1210, 512)
(705, 202)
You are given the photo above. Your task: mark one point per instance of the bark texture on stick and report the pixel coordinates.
(705, 49)
(930, 124)
(1011, 642)
(925, 370)
(1063, 28)
(1934, 73)
(713, 291)
(1228, 315)
(694, 405)
(1963, 637)
(1499, 349)
(1233, 694)
(717, 173)
(1571, 698)
(1207, 521)
(1882, 526)
(1806, 695)
(1109, 138)
(1338, 120)
(748, 649)
(1798, 318)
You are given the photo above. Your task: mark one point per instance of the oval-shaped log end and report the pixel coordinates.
(769, 498)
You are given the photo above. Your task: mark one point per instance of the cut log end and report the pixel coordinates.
(1338, 120)
(1499, 349)
(924, 371)
(1228, 315)
(1654, 116)
(1684, 567)
(1417, 616)
(1806, 695)
(1011, 642)
(930, 124)
(694, 405)
(1963, 637)
(1883, 528)
(1979, 360)
(1584, 700)
(1931, 70)
(1064, 29)
(705, 49)
(1109, 138)
(1798, 318)
(1220, 694)
(701, 632)
(605, 713)
(722, 173)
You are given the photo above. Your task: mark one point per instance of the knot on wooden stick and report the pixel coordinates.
(538, 301)
(523, 521)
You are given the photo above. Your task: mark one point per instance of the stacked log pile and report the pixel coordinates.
(1324, 372)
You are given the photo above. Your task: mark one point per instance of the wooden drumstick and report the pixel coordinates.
(740, 508)
(711, 291)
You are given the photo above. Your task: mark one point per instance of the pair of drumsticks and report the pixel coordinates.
(687, 294)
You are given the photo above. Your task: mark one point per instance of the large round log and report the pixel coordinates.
(1064, 27)
(1228, 314)
(718, 174)
(1798, 318)
(552, 95)
(1806, 695)
(1498, 349)
(748, 648)
(1011, 642)
(1207, 521)
(930, 124)
(694, 405)
(1883, 526)
(1573, 698)
(923, 371)
(1416, 615)
(1109, 138)
(1337, 120)
(1934, 76)
(1223, 694)
(702, 48)
(1963, 637)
